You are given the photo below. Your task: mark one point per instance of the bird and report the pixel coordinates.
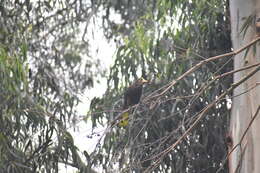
(132, 97)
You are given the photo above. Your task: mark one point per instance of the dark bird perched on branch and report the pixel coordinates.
(131, 97)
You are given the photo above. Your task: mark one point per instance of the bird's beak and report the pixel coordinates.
(144, 81)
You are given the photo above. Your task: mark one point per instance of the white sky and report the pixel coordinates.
(104, 51)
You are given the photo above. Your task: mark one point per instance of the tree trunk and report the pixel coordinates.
(246, 157)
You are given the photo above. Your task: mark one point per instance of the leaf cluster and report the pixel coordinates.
(44, 66)
(166, 41)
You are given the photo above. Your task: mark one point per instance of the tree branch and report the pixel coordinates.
(200, 116)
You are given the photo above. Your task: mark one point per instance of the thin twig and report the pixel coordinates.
(200, 116)
(241, 159)
(235, 71)
(242, 138)
(171, 84)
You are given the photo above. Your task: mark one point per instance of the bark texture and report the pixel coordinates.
(246, 157)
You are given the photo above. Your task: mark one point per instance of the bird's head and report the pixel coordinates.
(141, 81)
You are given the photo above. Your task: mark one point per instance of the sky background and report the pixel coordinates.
(104, 51)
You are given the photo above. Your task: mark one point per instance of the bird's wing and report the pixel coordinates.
(125, 120)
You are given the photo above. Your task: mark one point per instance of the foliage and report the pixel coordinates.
(167, 39)
(126, 11)
(44, 66)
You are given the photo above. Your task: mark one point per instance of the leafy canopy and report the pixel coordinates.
(44, 66)
(164, 40)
